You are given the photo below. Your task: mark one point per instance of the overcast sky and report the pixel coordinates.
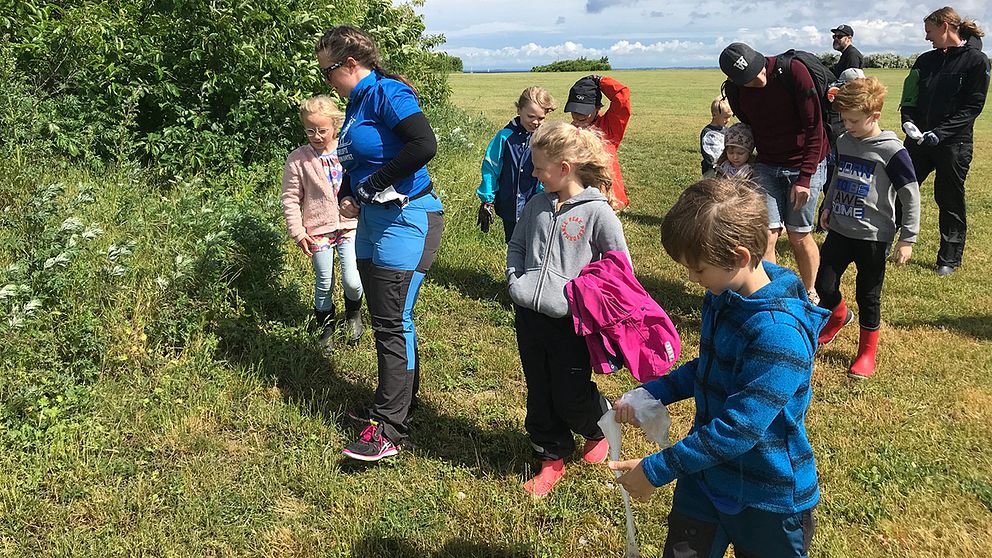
(518, 34)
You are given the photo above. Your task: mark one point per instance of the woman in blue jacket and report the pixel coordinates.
(384, 146)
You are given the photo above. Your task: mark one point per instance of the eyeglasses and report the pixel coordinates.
(311, 132)
(327, 71)
(839, 36)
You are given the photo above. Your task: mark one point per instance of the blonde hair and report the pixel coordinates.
(583, 149)
(965, 27)
(537, 95)
(716, 107)
(324, 106)
(865, 95)
(711, 219)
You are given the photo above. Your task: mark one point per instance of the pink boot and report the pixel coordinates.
(544, 481)
(864, 365)
(840, 316)
(595, 451)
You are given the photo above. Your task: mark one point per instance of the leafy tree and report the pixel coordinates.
(191, 85)
(450, 63)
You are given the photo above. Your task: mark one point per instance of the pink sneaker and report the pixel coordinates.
(371, 445)
(543, 482)
(595, 451)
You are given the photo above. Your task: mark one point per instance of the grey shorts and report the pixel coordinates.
(776, 183)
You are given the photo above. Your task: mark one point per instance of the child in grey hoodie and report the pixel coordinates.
(873, 171)
(560, 231)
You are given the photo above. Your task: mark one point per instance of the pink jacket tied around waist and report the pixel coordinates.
(622, 324)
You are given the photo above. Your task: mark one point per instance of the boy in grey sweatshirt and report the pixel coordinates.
(873, 171)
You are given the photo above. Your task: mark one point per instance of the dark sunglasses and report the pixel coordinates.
(839, 36)
(327, 71)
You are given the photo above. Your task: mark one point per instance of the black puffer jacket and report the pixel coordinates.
(945, 91)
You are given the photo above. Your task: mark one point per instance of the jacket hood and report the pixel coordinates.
(974, 42)
(588, 194)
(785, 293)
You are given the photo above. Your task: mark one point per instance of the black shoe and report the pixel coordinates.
(371, 445)
(945, 270)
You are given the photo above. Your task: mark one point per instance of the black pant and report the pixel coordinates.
(868, 256)
(508, 227)
(391, 295)
(561, 396)
(951, 163)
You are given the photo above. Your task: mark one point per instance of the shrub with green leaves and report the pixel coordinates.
(190, 85)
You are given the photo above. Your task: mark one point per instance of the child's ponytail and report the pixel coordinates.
(583, 149)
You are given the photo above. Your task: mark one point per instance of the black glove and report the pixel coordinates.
(364, 192)
(929, 138)
(485, 217)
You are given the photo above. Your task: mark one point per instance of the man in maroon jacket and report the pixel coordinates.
(792, 147)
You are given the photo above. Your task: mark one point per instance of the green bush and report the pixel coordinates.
(190, 85)
(829, 59)
(582, 64)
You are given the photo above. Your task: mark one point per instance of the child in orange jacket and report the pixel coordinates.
(584, 101)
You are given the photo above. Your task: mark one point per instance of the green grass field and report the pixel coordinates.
(210, 424)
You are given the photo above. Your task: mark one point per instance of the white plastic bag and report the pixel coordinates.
(653, 416)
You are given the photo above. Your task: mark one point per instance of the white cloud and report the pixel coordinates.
(496, 28)
(667, 33)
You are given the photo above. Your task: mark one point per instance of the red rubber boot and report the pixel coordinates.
(864, 365)
(840, 316)
(544, 481)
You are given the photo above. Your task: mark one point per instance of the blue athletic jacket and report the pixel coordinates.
(508, 172)
(751, 383)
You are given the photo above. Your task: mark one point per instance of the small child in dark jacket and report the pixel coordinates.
(508, 181)
(745, 473)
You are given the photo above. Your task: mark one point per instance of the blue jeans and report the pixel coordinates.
(323, 269)
(696, 529)
(777, 183)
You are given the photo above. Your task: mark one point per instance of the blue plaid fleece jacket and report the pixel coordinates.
(751, 383)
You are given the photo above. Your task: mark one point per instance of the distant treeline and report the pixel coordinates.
(878, 60)
(578, 65)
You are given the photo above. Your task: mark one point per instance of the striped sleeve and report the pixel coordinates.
(773, 371)
(674, 386)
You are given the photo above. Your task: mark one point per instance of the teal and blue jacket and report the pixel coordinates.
(751, 383)
(508, 172)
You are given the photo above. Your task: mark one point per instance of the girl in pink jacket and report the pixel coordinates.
(310, 184)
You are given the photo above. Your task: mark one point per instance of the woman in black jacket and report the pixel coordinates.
(942, 96)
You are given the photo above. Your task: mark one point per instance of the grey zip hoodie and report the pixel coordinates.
(549, 248)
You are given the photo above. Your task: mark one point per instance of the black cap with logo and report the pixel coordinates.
(741, 63)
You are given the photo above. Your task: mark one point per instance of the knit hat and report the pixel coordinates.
(739, 135)
(741, 63)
